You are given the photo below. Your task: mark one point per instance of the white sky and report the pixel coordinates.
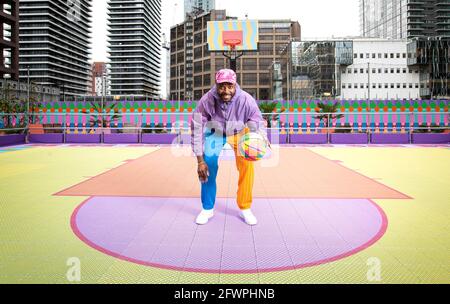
(317, 18)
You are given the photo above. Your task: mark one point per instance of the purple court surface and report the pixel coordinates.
(292, 233)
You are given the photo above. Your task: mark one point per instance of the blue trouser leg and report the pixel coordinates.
(213, 146)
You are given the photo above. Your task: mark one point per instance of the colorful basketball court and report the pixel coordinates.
(327, 214)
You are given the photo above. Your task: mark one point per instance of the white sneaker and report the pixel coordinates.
(248, 216)
(204, 217)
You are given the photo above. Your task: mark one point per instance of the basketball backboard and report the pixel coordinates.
(221, 32)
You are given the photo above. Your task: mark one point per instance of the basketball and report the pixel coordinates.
(252, 146)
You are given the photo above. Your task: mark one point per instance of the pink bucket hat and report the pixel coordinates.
(226, 75)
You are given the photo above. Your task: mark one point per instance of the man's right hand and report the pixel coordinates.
(203, 172)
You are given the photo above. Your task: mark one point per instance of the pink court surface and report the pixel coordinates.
(126, 214)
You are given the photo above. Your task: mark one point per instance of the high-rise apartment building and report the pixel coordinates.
(54, 44)
(9, 40)
(135, 47)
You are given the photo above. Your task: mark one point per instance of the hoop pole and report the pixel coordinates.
(233, 56)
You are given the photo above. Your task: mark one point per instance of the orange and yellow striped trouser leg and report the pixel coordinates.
(246, 174)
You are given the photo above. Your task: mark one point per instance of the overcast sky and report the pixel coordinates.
(317, 18)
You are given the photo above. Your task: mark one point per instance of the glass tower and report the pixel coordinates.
(191, 6)
(398, 19)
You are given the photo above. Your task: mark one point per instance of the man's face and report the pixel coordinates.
(226, 91)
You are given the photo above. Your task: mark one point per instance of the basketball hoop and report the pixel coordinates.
(232, 39)
(232, 43)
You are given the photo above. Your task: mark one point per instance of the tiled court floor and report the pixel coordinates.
(335, 214)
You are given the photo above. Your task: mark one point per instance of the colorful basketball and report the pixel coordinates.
(252, 146)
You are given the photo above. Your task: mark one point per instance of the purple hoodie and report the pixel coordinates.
(229, 119)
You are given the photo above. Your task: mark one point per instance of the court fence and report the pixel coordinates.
(284, 128)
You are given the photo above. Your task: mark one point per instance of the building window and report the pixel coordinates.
(198, 94)
(249, 79)
(392, 55)
(264, 79)
(355, 71)
(343, 85)
(266, 49)
(266, 30)
(198, 67)
(198, 52)
(386, 86)
(379, 55)
(404, 85)
(207, 80)
(206, 51)
(285, 30)
(361, 56)
(361, 71)
(282, 37)
(265, 38)
(392, 71)
(373, 55)
(198, 81)
(349, 71)
(385, 55)
(379, 71)
(398, 86)
(265, 63)
(349, 85)
(220, 64)
(392, 86)
(380, 86)
(398, 55)
(355, 56)
(206, 65)
(198, 38)
(404, 71)
(249, 64)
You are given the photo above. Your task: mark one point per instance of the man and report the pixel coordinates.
(222, 116)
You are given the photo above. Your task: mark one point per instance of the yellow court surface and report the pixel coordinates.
(126, 214)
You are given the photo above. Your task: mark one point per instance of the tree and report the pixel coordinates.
(326, 111)
(266, 109)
